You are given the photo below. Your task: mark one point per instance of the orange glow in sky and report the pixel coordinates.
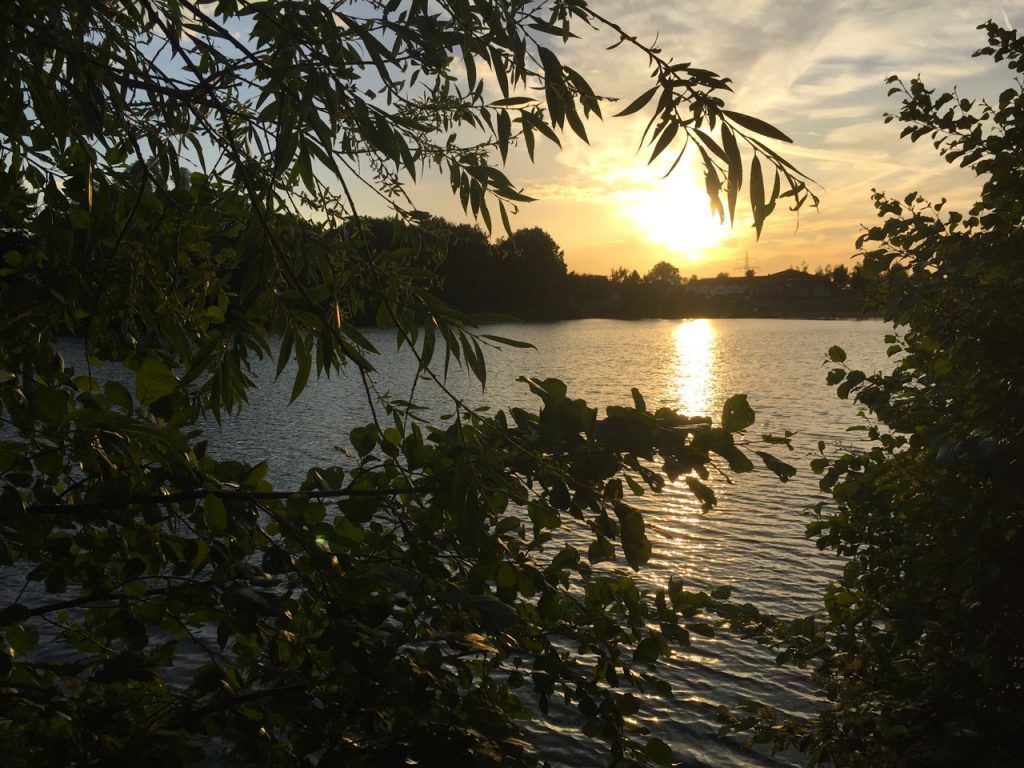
(675, 213)
(815, 71)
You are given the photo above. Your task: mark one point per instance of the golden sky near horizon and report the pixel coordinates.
(813, 69)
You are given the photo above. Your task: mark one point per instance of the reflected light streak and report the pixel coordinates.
(695, 363)
(675, 532)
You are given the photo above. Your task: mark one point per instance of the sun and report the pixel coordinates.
(674, 212)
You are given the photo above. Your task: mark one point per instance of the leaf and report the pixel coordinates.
(506, 576)
(757, 194)
(216, 513)
(505, 224)
(635, 544)
(737, 414)
(304, 358)
(154, 380)
(756, 125)
(284, 353)
(504, 134)
(664, 140)
(118, 395)
(514, 101)
(647, 651)
(658, 752)
(470, 64)
(836, 354)
(22, 639)
(783, 470)
(735, 161)
(575, 123)
(638, 103)
(711, 144)
(704, 494)
(638, 400)
(363, 439)
(722, 593)
(600, 550)
(429, 340)
(507, 341)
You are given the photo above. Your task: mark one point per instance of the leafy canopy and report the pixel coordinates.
(920, 651)
(178, 193)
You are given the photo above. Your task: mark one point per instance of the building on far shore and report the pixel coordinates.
(787, 284)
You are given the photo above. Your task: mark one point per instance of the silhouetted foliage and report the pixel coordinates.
(920, 650)
(531, 272)
(175, 187)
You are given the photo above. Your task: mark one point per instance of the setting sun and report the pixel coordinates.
(675, 213)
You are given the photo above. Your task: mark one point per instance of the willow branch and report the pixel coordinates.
(227, 495)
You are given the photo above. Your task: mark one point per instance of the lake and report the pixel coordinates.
(753, 541)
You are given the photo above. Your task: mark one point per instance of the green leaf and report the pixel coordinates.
(837, 354)
(600, 550)
(118, 395)
(658, 752)
(22, 639)
(506, 576)
(216, 513)
(154, 380)
(304, 358)
(702, 629)
(364, 439)
(835, 376)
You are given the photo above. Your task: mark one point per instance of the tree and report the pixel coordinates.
(663, 286)
(470, 270)
(920, 651)
(531, 275)
(839, 277)
(178, 194)
(629, 290)
(664, 273)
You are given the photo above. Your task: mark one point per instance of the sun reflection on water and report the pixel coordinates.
(695, 367)
(675, 520)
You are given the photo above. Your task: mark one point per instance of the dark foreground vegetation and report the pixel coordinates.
(919, 653)
(175, 189)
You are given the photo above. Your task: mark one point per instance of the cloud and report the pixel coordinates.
(814, 69)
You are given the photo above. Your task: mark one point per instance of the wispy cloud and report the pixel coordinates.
(814, 69)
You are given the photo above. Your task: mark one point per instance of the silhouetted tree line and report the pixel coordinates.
(525, 276)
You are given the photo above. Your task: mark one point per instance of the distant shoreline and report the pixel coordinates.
(814, 308)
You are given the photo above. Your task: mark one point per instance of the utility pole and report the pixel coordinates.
(746, 269)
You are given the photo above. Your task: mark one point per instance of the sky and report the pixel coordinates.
(815, 69)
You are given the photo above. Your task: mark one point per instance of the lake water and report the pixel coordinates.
(753, 541)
